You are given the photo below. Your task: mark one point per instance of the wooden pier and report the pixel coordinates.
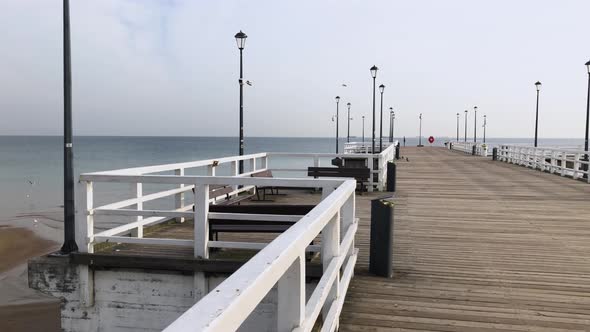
(479, 245)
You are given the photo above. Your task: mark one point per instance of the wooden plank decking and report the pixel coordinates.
(478, 246)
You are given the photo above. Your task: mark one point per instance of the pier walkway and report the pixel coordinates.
(479, 245)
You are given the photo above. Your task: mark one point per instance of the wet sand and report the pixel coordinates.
(22, 309)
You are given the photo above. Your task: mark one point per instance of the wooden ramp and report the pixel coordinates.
(479, 245)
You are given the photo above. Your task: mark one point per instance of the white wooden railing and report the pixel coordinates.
(365, 147)
(571, 163)
(282, 260)
(481, 149)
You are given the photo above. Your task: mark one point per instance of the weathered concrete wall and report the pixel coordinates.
(131, 299)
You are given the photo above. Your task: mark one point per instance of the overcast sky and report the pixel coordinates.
(155, 67)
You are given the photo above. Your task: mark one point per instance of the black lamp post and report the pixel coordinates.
(337, 103)
(420, 132)
(69, 244)
(587, 118)
(465, 126)
(457, 127)
(241, 41)
(381, 89)
(391, 119)
(374, 70)
(475, 125)
(363, 129)
(538, 86)
(348, 119)
(485, 122)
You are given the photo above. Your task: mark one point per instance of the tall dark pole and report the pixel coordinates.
(475, 125)
(363, 129)
(392, 125)
(420, 132)
(465, 126)
(337, 116)
(381, 89)
(69, 244)
(241, 41)
(485, 123)
(587, 118)
(457, 127)
(348, 119)
(538, 86)
(374, 74)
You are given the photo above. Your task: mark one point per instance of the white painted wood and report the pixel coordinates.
(179, 198)
(145, 240)
(84, 221)
(144, 213)
(252, 245)
(201, 219)
(291, 296)
(331, 320)
(228, 305)
(137, 191)
(253, 216)
(330, 251)
(145, 198)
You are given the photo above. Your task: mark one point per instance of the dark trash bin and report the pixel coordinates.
(381, 246)
(397, 151)
(337, 162)
(473, 148)
(495, 154)
(391, 174)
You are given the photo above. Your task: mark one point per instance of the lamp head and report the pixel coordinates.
(241, 39)
(337, 99)
(538, 85)
(374, 71)
(381, 88)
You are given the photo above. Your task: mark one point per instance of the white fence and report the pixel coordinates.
(365, 147)
(564, 162)
(282, 260)
(481, 149)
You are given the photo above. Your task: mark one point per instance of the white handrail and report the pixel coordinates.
(226, 307)
(572, 163)
(481, 149)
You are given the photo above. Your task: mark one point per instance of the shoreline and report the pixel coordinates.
(21, 308)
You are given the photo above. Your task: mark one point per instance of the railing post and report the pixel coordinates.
(137, 192)
(252, 164)
(210, 170)
(264, 162)
(381, 175)
(563, 162)
(291, 296)
(85, 238)
(201, 237)
(348, 213)
(201, 219)
(370, 165)
(235, 172)
(576, 165)
(330, 250)
(179, 198)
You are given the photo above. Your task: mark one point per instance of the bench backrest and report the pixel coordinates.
(262, 174)
(344, 172)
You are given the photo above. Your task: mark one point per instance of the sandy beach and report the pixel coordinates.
(22, 309)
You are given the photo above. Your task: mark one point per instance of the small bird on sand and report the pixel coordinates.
(407, 159)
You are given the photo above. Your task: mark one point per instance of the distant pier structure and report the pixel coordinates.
(480, 243)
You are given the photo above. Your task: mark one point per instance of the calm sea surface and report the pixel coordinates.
(31, 166)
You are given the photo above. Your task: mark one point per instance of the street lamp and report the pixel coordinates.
(241, 42)
(381, 89)
(69, 244)
(420, 132)
(587, 118)
(363, 129)
(337, 103)
(391, 123)
(485, 122)
(475, 125)
(538, 86)
(349, 118)
(457, 127)
(465, 126)
(373, 70)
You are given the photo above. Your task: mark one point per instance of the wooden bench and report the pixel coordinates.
(360, 174)
(216, 191)
(254, 226)
(264, 174)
